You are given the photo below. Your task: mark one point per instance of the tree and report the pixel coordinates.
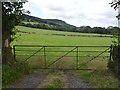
(116, 5)
(114, 64)
(11, 15)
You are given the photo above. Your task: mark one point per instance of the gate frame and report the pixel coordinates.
(75, 48)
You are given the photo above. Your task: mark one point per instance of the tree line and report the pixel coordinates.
(81, 29)
(50, 27)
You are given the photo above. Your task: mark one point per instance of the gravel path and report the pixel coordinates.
(30, 81)
(34, 80)
(74, 81)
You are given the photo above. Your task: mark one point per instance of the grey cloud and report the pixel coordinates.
(71, 16)
(55, 8)
(66, 13)
(65, 16)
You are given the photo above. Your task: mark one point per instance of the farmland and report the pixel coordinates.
(53, 53)
(47, 38)
(32, 36)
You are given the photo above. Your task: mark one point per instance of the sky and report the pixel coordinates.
(75, 12)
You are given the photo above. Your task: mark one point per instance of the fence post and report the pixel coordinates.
(110, 52)
(14, 53)
(45, 58)
(77, 58)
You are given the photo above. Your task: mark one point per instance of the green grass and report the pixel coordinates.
(103, 79)
(28, 39)
(56, 82)
(31, 22)
(46, 37)
(12, 73)
(100, 78)
(52, 32)
(55, 79)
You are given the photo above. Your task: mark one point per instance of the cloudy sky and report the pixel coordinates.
(76, 12)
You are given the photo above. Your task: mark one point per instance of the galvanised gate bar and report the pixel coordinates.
(62, 57)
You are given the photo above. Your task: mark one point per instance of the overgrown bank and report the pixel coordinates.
(99, 78)
(12, 73)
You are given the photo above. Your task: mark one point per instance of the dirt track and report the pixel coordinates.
(33, 80)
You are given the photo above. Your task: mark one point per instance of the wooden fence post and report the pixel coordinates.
(111, 52)
(77, 58)
(45, 58)
(14, 53)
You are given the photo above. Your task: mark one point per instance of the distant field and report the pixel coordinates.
(48, 37)
(47, 32)
(31, 22)
(32, 36)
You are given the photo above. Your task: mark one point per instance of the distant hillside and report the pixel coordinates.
(54, 24)
(59, 25)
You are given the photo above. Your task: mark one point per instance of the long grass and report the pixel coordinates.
(101, 77)
(12, 73)
(55, 79)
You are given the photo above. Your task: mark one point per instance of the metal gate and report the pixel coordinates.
(62, 57)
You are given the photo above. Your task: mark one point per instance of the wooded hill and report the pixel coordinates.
(52, 24)
(59, 25)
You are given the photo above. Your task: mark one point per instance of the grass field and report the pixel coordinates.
(101, 77)
(46, 37)
(57, 38)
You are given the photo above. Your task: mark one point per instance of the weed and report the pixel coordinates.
(56, 83)
(10, 74)
(55, 79)
(104, 79)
